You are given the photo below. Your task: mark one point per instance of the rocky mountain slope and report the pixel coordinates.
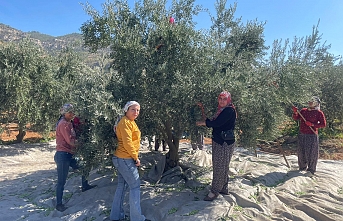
(49, 43)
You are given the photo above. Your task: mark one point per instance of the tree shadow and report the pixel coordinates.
(24, 148)
(273, 179)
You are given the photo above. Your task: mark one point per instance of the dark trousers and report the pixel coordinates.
(221, 157)
(64, 160)
(308, 152)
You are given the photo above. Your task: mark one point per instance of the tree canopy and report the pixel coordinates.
(168, 66)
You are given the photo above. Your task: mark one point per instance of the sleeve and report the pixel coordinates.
(321, 120)
(226, 115)
(295, 116)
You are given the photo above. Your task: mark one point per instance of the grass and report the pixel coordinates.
(340, 190)
(254, 196)
(48, 211)
(172, 211)
(300, 193)
(193, 212)
(198, 188)
(67, 196)
(238, 208)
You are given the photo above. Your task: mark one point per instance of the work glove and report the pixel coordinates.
(295, 109)
(308, 123)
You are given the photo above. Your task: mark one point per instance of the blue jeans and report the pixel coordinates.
(64, 160)
(128, 177)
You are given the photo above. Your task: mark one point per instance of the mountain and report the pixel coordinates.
(49, 43)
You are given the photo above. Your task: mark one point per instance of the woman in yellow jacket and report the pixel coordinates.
(126, 161)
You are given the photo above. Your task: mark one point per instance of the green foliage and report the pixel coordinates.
(172, 210)
(291, 129)
(29, 87)
(332, 95)
(154, 61)
(95, 105)
(40, 36)
(168, 68)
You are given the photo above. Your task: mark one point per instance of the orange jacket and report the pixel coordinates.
(129, 137)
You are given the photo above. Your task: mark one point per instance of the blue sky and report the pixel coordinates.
(285, 18)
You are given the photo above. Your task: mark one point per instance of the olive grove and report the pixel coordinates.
(168, 67)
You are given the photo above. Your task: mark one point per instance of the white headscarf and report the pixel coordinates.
(129, 104)
(316, 102)
(125, 109)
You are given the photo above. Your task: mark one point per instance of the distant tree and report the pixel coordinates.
(332, 96)
(28, 87)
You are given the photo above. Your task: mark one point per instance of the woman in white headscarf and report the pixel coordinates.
(126, 161)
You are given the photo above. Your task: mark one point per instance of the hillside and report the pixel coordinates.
(49, 43)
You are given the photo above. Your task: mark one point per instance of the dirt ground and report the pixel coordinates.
(331, 149)
(28, 179)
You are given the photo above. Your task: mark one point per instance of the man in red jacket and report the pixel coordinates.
(311, 118)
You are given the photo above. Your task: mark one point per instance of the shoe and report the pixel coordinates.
(61, 207)
(208, 198)
(88, 187)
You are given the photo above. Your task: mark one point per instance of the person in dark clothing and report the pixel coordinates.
(311, 118)
(158, 142)
(222, 123)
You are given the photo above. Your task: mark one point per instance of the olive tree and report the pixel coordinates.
(97, 109)
(169, 67)
(332, 95)
(28, 87)
(155, 60)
